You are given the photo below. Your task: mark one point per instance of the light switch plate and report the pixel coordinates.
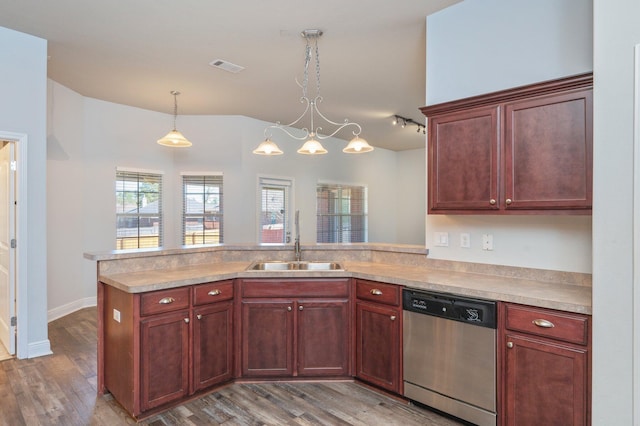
(441, 239)
(116, 315)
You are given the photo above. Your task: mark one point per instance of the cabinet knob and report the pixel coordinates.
(392, 317)
(166, 300)
(492, 201)
(288, 308)
(508, 201)
(214, 292)
(510, 345)
(543, 323)
(199, 316)
(376, 292)
(300, 307)
(186, 320)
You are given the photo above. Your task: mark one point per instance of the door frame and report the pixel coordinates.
(21, 259)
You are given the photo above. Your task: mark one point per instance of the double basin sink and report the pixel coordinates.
(295, 266)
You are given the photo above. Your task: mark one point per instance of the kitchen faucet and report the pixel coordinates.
(296, 245)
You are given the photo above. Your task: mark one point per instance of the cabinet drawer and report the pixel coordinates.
(156, 302)
(388, 294)
(212, 292)
(572, 328)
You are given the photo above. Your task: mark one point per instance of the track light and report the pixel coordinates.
(404, 121)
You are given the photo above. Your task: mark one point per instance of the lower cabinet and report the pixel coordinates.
(546, 371)
(378, 334)
(295, 328)
(159, 347)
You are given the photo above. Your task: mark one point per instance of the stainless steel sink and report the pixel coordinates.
(295, 266)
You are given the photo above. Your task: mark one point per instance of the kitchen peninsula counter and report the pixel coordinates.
(143, 271)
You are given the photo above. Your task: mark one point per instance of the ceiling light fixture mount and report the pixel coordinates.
(312, 136)
(174, 138)
(403, 121)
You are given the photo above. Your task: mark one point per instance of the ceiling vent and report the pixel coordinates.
(226, 65)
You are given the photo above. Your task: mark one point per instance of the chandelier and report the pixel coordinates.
(174, 138)
(312, 136)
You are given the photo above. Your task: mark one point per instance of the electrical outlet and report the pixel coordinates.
(465, 240)
(487, 242)
(116, 315)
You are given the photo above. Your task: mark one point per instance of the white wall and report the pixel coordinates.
(616, 303)
(480, 46)
(89, 138)
(23, 79)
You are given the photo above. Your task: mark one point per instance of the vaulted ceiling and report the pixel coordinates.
(372, 56)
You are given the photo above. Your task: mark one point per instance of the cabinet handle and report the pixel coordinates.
(543, 323)
(508, 201)
(166, 300)
(214, 292)
(510, 345)
(199, 316)
(289, 308)
(300, 307)
(392, 317)
(376, 292)
(492, 201)
(186, 320)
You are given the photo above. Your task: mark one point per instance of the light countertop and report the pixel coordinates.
(547, 294)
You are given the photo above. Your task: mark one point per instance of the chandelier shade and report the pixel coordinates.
(174, 138)
(312, 135)
(267, 147)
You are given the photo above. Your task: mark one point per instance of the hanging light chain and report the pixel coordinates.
(175, 94)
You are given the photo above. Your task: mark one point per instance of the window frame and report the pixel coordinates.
(124, 174)
(208, 179)
(340, 216)
(287, 185)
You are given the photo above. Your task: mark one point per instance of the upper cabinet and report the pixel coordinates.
(526, 150)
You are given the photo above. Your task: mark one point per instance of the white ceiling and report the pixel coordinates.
(135, 52)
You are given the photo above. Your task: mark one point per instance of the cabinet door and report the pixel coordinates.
(378, 350)
(267, 338)
(548, 152)
(164, 365)
(323, 338)
(463, 160)
(546, 383)
(212, 345)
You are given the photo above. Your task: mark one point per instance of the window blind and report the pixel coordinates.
(202, 212)
(341, 213)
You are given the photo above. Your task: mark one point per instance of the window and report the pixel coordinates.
(341, 213)
(138, 209)
(274, 202)
(202, 209)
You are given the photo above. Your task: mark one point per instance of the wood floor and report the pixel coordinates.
(60, 389)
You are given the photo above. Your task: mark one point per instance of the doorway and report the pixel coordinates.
(8, 166)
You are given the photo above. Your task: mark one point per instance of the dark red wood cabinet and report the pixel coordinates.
(546, 367)
(159, 347)
(522, 150)
(295, 328)
(378, 334)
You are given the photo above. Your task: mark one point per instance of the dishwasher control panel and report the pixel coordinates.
(458, 308)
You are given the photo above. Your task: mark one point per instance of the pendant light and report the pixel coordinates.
(174, 138)
(312, 138)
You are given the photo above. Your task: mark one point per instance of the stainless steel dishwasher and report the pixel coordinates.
(450, 354)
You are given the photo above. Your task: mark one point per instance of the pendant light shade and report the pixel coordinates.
(174, 138)
(267, 147)
(357, 145)
(312, 147)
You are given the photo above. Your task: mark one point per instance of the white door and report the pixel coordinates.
(7, 246)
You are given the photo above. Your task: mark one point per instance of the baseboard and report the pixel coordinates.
(69, 308)
(40, 348)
